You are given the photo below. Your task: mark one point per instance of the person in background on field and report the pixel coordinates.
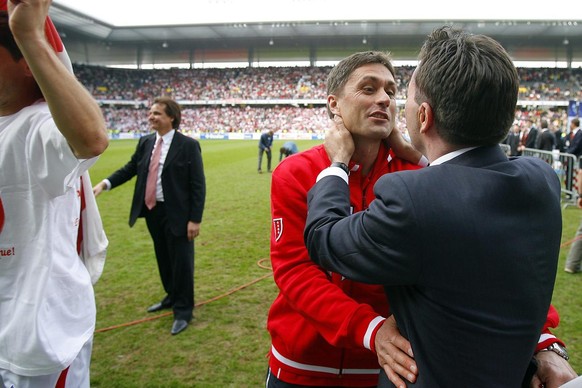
(327, 330)
(546, 139)
(512, 140)
(575, 138)
(559, 135)
(170, 192)
(265, 144)
(574, 147)
(574, 258)
(51, 133)
(528, 137)
(289, 148)
(445, 291)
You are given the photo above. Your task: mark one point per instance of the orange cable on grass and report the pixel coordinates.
(261, 264)
(571, 241)
(132, 323)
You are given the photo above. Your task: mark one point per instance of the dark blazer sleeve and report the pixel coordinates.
(137, 166)
(377, 246)
(130, 170)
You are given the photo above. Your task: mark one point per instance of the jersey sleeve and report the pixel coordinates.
(546, 337)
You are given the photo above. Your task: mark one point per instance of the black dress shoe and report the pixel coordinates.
(158, 306)
(179, 326)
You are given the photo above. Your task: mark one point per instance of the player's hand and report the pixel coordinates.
(27, 18)
(338, 142)
(553, 371)
(402, 148)
(395, 354)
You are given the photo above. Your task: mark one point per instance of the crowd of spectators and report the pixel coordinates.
(550, 84)
(229, 100)
(225, 119)
(205, 84)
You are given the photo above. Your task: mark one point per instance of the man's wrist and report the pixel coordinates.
(370, 336)
(106, 184)
(336, 170)
(341, 165)
(558, 349)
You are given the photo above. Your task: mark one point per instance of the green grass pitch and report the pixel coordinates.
(227, 343)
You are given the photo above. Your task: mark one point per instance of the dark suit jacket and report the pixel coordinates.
(452, 244)
(575, 146)
(183, 180)
(266, 141)
(546, 141)
(530, 141)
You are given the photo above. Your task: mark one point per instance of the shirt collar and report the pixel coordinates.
(450, 155)
(167, 137)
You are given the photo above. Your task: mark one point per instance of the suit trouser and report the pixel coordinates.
(175, 257)
(574, 258)
(268, 151)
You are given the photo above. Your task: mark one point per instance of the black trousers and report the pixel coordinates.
(269, 155)
(175, 257)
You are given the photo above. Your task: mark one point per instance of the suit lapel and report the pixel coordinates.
(148, 147)
(174, 149)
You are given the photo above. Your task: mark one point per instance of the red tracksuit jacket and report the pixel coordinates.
(322, 326)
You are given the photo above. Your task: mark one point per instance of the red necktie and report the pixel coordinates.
(151, 183)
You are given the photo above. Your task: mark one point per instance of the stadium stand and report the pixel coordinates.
(282, 99)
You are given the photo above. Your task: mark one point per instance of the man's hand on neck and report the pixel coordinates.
(338, 142)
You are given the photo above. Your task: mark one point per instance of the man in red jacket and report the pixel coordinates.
(324, 327)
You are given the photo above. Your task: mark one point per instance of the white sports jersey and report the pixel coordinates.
(47, 305)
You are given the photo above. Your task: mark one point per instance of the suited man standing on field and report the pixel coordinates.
(170, 191)
(575, 138)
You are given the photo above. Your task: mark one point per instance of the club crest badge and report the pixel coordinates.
(278, 228)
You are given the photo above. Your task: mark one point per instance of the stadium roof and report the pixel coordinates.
(132, 13)
(253, 25)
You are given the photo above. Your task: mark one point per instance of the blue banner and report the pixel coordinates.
(573, 108)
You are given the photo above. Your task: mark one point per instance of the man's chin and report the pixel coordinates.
(370, 135)
(380, 134)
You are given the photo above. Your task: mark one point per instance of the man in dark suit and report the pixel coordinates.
(170, 194)
(546, 139)
(470, 301)
(265, 144)
(512, 140)
(574, 147)
(528, 137)
(575, 138)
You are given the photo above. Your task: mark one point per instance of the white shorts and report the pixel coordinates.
(75, 376)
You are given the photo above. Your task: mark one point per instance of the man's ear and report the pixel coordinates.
(332, 104)
(425, 117)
